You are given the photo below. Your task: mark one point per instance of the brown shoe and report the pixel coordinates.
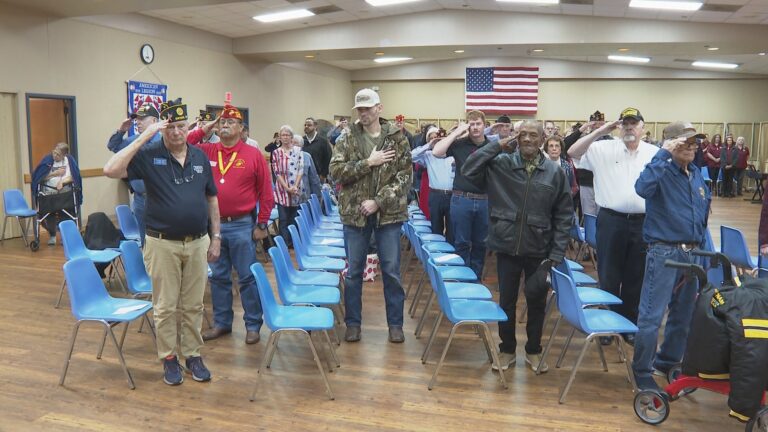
(215, 332)
(352, 334)
(396, 334)
(252, 337)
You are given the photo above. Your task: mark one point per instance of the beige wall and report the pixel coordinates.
(92, 63)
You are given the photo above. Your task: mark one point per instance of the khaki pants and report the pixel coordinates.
(179, 271)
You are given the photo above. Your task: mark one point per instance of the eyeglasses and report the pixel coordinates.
(182, 179)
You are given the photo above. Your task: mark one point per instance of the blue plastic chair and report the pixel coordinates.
(304, 277)
(281, 318)
(138, 281)
(462, 312)
(308, 262)
(705, 175)
(591, 322)
(314, 205)
(128, 223)
(330, 208)
(734, 246)
(291, 293)
(320, 232)
(317, 222)
(581, 279)
(316, 238)
(590, 236)
(90, 302)
(74, 247)
(14, 205)
(301, 245)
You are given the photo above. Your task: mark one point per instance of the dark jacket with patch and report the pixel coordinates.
(386, 184)
(529, 215)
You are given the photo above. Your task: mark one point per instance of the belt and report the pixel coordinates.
(685, 246)
(185, 238)
(469, 194)
(440, 191)
(631, 216)
(225, 219)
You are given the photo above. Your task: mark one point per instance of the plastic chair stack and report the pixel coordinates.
(129, 226)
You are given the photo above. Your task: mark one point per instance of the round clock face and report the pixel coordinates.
(147, 53)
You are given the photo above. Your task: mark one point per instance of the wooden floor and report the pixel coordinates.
(379, 387)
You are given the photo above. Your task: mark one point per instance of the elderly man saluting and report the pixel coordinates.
(676, 202)
(181, 199)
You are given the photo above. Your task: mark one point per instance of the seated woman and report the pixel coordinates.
(57, 173)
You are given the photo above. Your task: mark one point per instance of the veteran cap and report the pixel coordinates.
(366, 98)
(681, 129)
(146, 110)
(173, 111)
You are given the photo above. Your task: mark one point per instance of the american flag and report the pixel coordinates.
(507, 90)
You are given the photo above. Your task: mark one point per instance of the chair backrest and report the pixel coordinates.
(298, 245)
(135, 272)
(128, 223)
(438, 284)
(281, 272)
(734, 246)
(286, 255)
(314, 204)
(575, 231)
(590, 230)
(301, 221)
(13, 201)
(268, 303)
(313, 221)
(84, 285)
(564, 269)
(74, 246)
(568, 300)
(705, 174)
(327, 201)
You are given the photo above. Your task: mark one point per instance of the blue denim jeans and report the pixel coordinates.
(440, 214)
(286, 217)
(357, 241)
(239, 251)
(469, 219)
(662, 289)
(138, 206)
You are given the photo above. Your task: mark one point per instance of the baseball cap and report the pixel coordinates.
(681, 129)
(503, 119)
(146, 110)
(366, 98)
(597, 116)
(632, 113)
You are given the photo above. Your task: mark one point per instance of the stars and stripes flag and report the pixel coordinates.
(504, 90)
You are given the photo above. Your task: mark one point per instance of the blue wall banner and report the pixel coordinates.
(140, 93)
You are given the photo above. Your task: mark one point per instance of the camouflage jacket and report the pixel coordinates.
(386, 184)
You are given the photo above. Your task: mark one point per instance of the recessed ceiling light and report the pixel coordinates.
(378, 3)
(285, 15)
(309, 56)
(716, 65)
(666, 5)
(629, 59)
(391, 59)
(458, 51)
(762, 53)
(537, 50)
(622, 49)
(379, 53)
(541, 2)
(709, 48)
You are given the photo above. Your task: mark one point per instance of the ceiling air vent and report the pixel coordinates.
(578, 2)
(709, 7)
(325, 9)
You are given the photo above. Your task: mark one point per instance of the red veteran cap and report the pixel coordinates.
(231, 112)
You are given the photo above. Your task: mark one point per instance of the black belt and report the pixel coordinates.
(185, 238)
(685, 246)
(630, 216)
(469, 194)
(441, 191)
(226, 219)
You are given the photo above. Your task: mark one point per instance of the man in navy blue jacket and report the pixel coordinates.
(677, 202)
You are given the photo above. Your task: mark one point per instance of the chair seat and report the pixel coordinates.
(478, 310)
(597, 296)
(274, 215)
(327, 233)
(320, 263)
(429, 237)
(606, 321)
(326, 241)
(422, 229)
(102, 256)
(422, 222)
(581, 279)
(574, 266)
(439, 247)
(447, 259)
(312, 277)
(417, 216)
(300, 317)
(467, 290)
(326, 251)
(113, 310)
(313, 294)
(21, 213)
(457, 273)
(329, 226)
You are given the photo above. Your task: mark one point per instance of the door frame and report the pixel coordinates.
(72, 124)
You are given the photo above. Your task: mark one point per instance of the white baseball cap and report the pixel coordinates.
(366, 98)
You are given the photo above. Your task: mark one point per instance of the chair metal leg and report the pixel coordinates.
(417, 295)
(61, 294)
(567, 387)
(327, 357)
(549, 344)
(494, 354)
(420, 326)
(5, 221)
(630, 373)
(565, 348)
(23, 231)
(331, 348)
(602, 357)
(125, 331)
(101, 347)
(620, 348)
(548, 310)
(413, 278)
(432, 335)
(120, 356)
(486, 343)
(320, 366)
(273, 348)
(68, 358)
(442, 357)
(261, 366)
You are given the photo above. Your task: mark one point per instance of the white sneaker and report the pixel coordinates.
(506, 360)
(52, 241)
(533, 362)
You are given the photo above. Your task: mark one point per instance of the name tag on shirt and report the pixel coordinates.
(213, 164)
(160, 161)
(198, 169)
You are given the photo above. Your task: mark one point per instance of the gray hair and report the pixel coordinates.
(298, 140)
(539, 126)
(286, 128)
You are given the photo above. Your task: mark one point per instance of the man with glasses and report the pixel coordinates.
(676, 203)
(245, 201)
(616, 164)
(181, 199)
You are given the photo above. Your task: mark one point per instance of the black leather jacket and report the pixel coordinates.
(529, 216)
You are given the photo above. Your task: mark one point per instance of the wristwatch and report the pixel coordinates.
(262, 226)
(216, 236)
